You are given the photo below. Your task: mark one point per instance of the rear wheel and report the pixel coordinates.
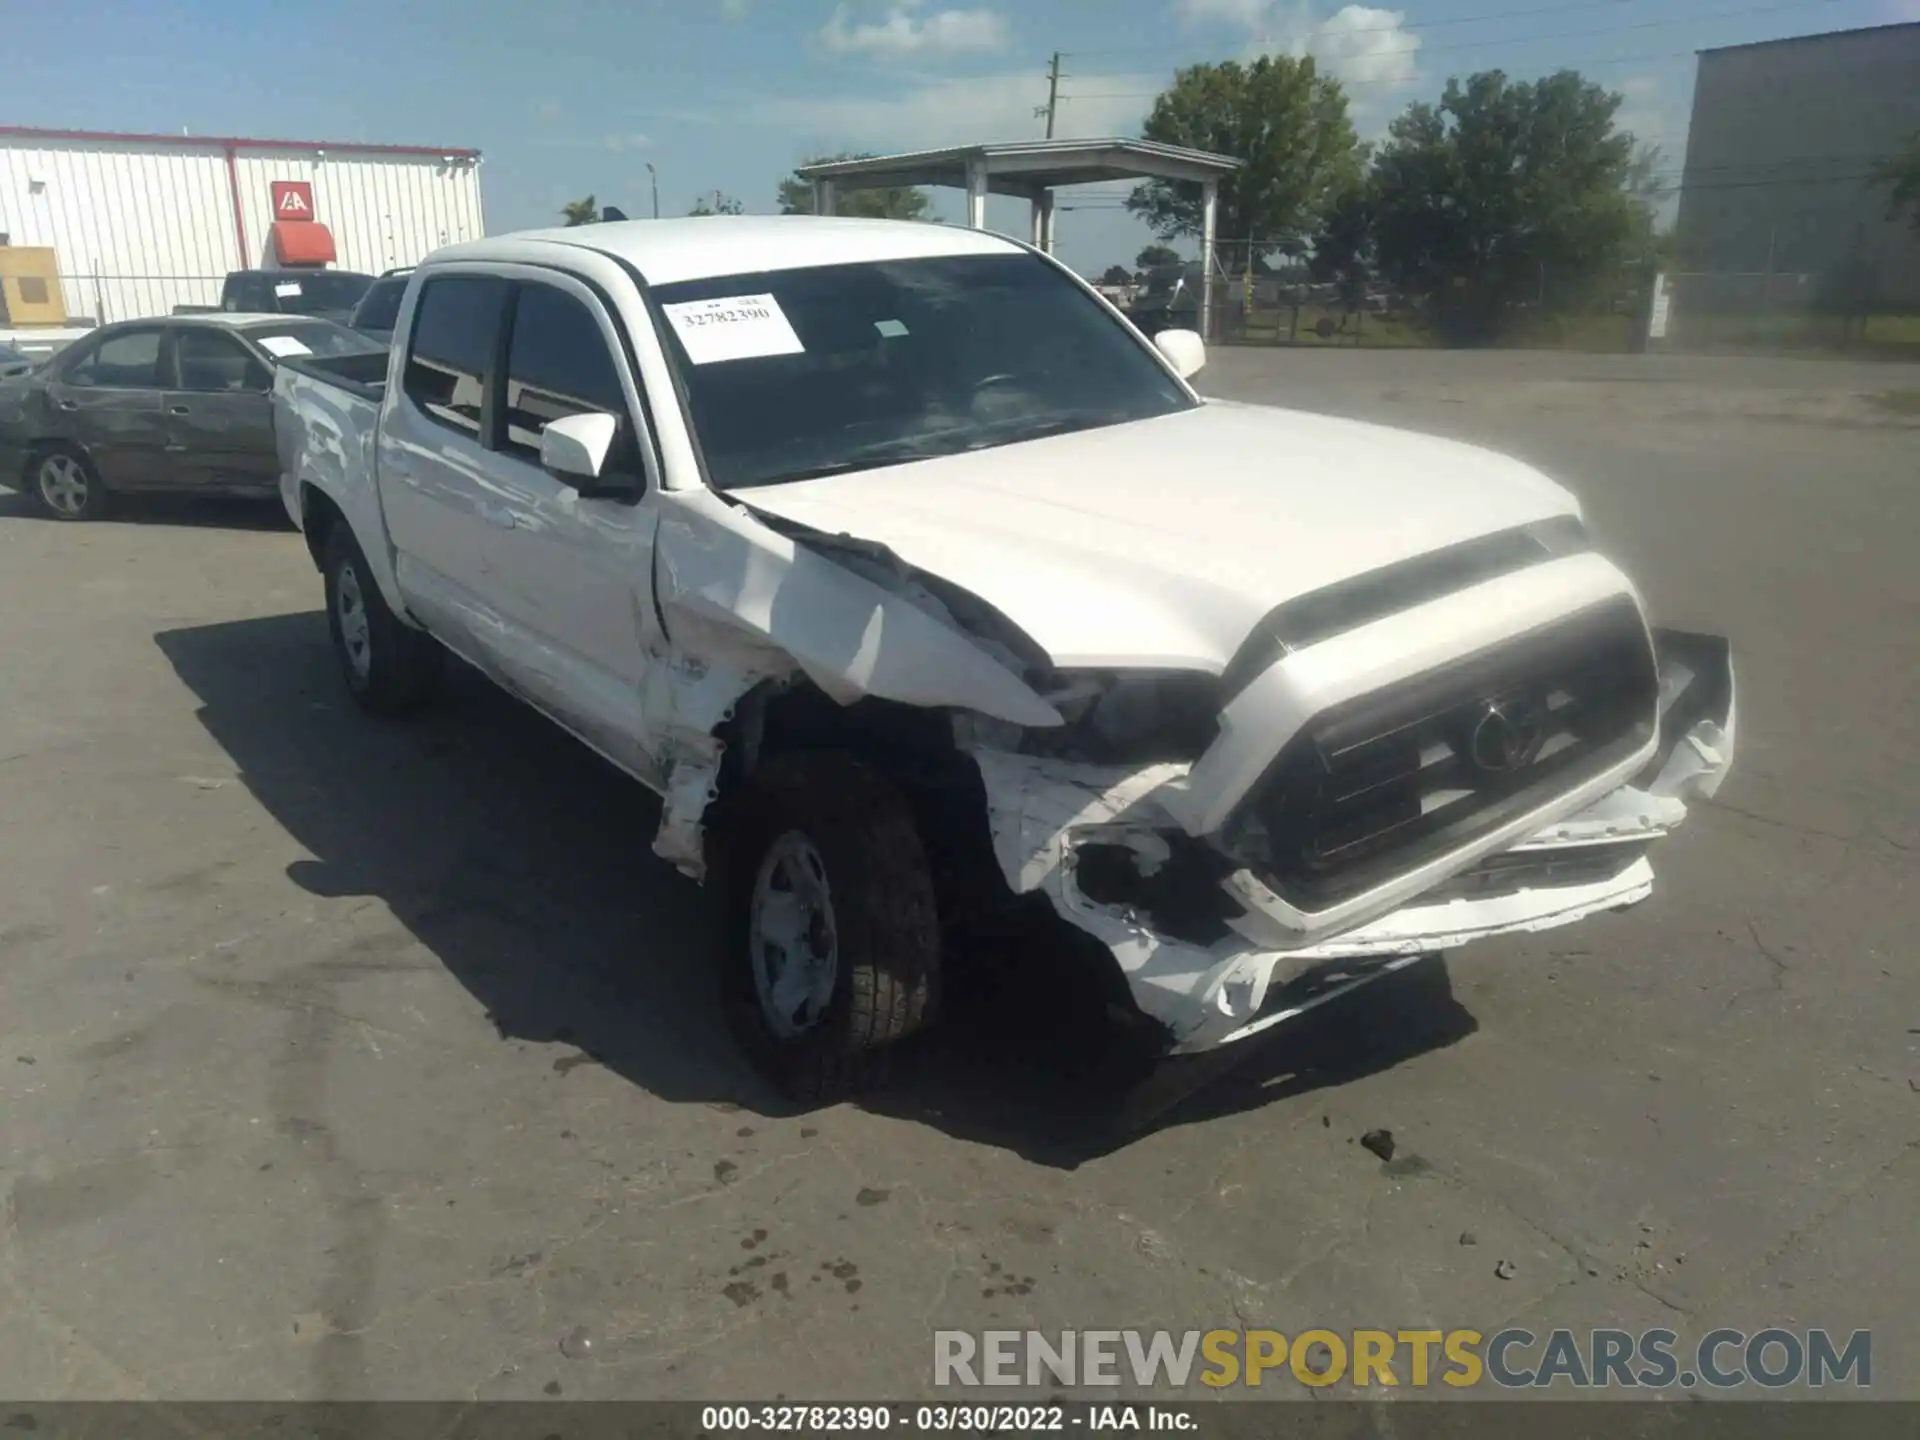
(390, 667)
(833, 951)
(67, 486)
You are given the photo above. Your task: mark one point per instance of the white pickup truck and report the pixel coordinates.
(928, 595)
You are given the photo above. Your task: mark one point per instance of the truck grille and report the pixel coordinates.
(1380, 784)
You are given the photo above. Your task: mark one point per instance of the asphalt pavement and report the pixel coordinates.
(341, 1059)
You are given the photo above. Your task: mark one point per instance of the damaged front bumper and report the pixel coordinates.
(1213, 956)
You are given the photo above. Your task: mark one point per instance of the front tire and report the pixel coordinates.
(833, 950)
(67, 486)
(390, 667)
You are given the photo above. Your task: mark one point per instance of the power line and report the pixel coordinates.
(1417, 25)
(1695, 188)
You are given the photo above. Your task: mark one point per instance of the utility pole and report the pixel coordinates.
(653, 176)
(1053, 92)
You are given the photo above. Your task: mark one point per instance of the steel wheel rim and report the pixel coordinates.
(64, 484)
(792, 939)
(356, 635)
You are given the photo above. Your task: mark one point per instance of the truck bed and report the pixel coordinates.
(325, 415)
(363, 373)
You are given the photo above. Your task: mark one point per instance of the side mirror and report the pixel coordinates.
(1183, 349)
(576, 446)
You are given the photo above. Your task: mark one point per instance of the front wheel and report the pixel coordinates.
(67, 486)
(834, 943)
(390, 668)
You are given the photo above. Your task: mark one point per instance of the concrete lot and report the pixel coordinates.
(344, 1060)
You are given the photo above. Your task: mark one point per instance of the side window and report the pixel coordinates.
(558, 364)
(127, 361)
(455, 325)
(249, 294)
(210, 360)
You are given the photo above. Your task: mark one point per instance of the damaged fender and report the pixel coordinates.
(741, 604)
(1207, 989)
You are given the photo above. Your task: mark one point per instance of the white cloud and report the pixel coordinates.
(1368, 48)
(958, 110)
(1365, 47)
(907, 29)
(618, 143)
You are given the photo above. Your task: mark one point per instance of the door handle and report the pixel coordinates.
(178, 410)
(69, 404)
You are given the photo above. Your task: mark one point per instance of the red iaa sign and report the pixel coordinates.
(293, 199)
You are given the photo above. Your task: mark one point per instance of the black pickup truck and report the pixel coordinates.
(329, 294)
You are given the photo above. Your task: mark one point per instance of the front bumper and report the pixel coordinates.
(1584, 854)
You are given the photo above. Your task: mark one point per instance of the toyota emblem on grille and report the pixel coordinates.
(1508, 734)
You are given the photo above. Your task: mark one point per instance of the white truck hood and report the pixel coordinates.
(1162, 542)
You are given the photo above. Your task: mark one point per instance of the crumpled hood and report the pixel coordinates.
(1162, 542)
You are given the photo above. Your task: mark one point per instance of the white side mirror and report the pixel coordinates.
(1184, 350)
(578, 445)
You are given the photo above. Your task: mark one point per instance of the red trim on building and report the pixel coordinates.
(232, 142)
(302, 242)
(233, 194)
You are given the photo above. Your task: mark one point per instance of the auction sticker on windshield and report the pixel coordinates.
(282, 346)
(738, 327)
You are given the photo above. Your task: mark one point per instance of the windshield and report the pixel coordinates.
(793, 374)
(310, 337)
(321, 290)
(380, 306)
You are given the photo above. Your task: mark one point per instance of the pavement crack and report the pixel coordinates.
(1780, 966)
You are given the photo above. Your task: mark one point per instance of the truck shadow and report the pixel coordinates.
(522, 862)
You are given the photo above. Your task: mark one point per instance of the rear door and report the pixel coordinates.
(220, 414)
(434, 459)
(110, 398)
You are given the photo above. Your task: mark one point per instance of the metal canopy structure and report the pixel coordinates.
(1032, 170)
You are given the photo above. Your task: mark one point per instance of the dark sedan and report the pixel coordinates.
(182, 404)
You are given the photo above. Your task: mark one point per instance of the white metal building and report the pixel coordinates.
(142, 223)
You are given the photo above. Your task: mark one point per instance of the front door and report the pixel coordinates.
(220, 418)
(572, 574)
(110, 399)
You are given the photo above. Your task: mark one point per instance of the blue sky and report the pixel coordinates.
(571, 96)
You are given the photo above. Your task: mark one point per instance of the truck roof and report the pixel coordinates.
(701, 247)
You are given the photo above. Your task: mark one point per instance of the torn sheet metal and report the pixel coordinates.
(1042, 810)
(688, 701)
(850, 636)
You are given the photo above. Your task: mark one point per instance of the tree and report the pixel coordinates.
(1156, 255)
(1343, 252)
(891, 202)
(1117, 275)
(718, 203)
(584, 211)
(1900, 175)
(1282, 117)
(1646, 179)
(1481, 197)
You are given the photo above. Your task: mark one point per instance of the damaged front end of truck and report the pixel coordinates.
(1249, 844)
